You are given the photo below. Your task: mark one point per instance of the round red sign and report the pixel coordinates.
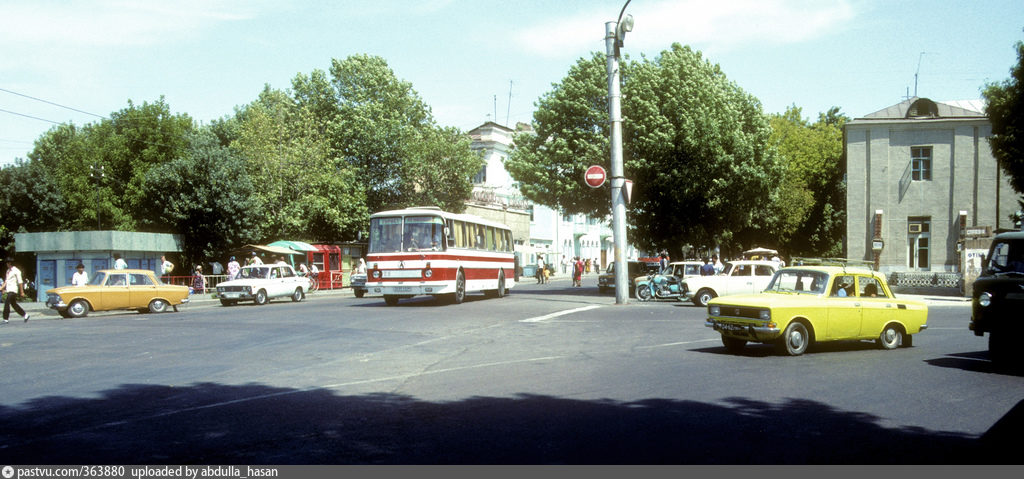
(595, 176)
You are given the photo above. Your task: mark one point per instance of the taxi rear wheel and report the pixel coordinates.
(891, 337)
(157, 306)
(795, 339)
(78, 309)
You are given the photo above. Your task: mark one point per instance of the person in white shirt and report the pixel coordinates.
(361, 268)
(80, 278)
(11, 288)
(165, 267)
(119, 262)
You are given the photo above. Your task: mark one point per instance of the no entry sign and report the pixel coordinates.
(595, 176)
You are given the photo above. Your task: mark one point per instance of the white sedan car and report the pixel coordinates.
(261, 283)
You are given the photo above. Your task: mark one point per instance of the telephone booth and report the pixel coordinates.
(335, 262)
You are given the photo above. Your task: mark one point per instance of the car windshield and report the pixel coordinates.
(98, 279)
(254, 273)
(1007, 256)
(798, 281)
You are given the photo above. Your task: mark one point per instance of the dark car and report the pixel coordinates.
(636, 269)
(998, 297)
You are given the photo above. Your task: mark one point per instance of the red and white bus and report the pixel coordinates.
(424, 250)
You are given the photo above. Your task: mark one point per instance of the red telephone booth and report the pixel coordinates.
(327, 259)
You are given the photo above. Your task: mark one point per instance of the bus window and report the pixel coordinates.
(423, 233)
(507, 235)
(478, 242)
(460, 234)
(385, 235)
(491, 245)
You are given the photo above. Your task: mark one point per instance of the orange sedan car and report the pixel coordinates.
(112, 289)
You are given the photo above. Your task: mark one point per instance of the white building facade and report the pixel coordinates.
(551, 236)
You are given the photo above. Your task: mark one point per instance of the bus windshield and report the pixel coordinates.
(408, 233)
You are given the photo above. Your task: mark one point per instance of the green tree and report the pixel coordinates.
(300, 191)
(696, 145)
(1005, 108)
(30, 200)
(126, 145)
(379, 125)
(203, 195)
(810, 209)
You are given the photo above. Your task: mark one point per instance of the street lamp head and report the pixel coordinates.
(625, 25)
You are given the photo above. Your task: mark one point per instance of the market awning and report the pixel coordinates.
(272, 249)
(294, 245)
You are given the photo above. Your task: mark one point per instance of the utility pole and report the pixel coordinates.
(614, 33)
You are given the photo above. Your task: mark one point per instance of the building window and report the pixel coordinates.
(921, 163)
(481, 177)
(918, 243)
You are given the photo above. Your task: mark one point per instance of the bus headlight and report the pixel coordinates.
(428, 273)
(985, 299)
(376, 274)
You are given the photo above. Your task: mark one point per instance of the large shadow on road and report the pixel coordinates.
(257, 424)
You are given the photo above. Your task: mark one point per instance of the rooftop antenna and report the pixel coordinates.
(508, 110)
(495, 108)
(918, 71)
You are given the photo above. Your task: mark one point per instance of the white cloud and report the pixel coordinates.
(721, 25)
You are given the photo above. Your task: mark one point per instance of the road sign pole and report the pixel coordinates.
(618, 201)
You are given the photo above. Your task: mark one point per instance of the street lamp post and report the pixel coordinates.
(614, 33)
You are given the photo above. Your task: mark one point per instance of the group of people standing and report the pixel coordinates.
(579, 268)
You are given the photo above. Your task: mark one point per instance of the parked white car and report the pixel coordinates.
(261, 283)
(738, 277)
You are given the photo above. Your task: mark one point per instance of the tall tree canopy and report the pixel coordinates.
(379, 125)
(1005, 108)
(697, 146)
(810, 214)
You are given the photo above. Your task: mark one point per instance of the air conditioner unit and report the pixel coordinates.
(914, 228)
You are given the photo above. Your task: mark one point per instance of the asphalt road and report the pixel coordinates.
(548, 375)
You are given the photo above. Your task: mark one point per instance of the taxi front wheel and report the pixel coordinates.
(795, 339)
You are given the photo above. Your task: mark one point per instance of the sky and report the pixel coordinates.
(474, 61)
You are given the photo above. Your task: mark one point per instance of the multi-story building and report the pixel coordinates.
(920, 179)
(545, 232)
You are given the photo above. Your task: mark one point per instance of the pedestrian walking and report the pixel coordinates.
(80, 278)
(198, 280)
(12, 287)
(540, 270)
(233, 268)
(577, 271)
(166, 267)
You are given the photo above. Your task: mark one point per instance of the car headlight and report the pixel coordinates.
(765, 314)
(985, 299)
(714, 310)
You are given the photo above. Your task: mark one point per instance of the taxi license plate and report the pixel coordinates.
(231, 295)
(733, 327)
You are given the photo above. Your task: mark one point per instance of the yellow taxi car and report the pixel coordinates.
(114, 289)
(807, 304)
